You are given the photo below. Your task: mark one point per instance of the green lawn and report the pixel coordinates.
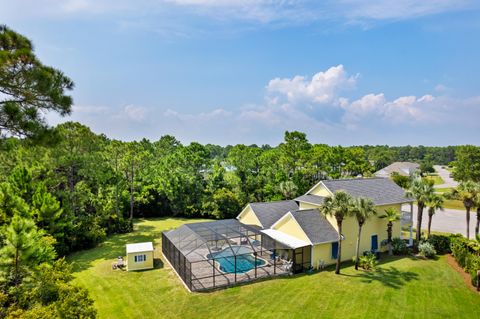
(437, 180)
(401, 288)
(450, 203)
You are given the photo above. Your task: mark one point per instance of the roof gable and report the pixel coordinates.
(317, 228)
(270, 212)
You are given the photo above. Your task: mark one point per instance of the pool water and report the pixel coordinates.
(245, 260)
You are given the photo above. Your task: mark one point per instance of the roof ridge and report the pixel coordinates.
(273, 201)
(352, 179)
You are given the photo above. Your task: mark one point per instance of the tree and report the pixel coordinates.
(401, 180)
(466, 192)
(391, 215)
(363, 209)
(421, 191)
(28, 88)
(435, 202)
(288, 189)
(340, 206)
(467, 164)
(25, 246)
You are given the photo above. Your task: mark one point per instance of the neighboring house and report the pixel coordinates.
(401, 168)
(306, 227)
(139, 256)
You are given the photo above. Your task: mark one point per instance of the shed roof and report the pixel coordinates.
(139, 247)
(269, 212)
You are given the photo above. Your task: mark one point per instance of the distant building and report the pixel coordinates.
(402, 168)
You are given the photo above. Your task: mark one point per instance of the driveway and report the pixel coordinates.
(445, 175)
(448, 221)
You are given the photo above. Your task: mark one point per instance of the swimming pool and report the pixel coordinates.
(245, 259)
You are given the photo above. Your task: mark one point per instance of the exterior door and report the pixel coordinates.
(374, 246)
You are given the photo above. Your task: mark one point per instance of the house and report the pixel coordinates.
(276, 238)
(305, 226)
(139, 256)
(401, 168)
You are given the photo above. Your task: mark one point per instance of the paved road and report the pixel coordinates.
(448, 221)
(445, 175)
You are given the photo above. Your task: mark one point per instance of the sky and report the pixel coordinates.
(345, 72)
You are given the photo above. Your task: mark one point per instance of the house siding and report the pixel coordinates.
(303, 206)
(248, 217)
(320, 190)
(373, 226)
(290, 227)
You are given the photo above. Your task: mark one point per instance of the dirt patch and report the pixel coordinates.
(466, 277)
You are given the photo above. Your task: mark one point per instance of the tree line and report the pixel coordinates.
(66, 188)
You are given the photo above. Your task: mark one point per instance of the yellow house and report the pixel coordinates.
(139, 256)
(313, 239)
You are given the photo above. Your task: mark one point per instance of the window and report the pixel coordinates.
(140, 258)
(335, 250)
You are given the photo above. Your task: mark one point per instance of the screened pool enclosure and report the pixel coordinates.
(220, 253)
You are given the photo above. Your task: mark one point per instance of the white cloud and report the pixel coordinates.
(320, 106)
(135, 113)
(322, 88)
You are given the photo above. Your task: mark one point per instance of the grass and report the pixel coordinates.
(450, 203)
(400, 288)
(437, 180)
(453, 204)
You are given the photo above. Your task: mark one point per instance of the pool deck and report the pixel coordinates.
(203, 274)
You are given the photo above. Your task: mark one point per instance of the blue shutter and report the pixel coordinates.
(374, 245)
(335, 250)
(135, 258)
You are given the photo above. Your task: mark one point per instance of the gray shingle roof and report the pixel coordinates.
(382, 191)
(309, 198)
(315, 226)
(269, 212)
(403, 168)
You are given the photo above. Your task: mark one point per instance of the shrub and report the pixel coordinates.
(441, 243)
(426, 249)
(399, 246)
(368, 261)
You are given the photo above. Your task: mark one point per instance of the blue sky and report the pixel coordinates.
(243, 71)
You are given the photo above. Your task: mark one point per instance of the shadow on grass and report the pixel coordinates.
(389, 277)
(115, 246)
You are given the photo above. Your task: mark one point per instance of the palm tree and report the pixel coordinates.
(340, 205)
(391, 215)
(434, 203)
(288, 189)
(467, 193)
(477, 204)
(421, 191)
(363, 209)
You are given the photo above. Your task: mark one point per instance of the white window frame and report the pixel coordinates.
(140, 258)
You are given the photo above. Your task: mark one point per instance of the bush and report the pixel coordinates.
(368, 261)
(441, 243)
(426, 249)
(399, 246)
